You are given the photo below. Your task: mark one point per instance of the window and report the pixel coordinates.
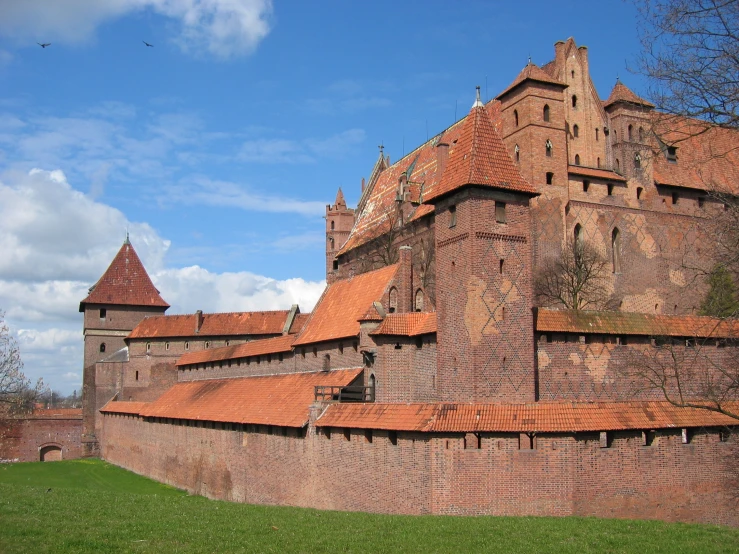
(393, 300)
(576, 131)
(598, 163)
(585, 185)
(515, 117)
(336, 265)
(517, 150)
(502, 263)
(103, 313)
(137, 375)
(419, 342)
(546, 112)
(187, 346)
(166, 346)
(332, 225)
(610, 189)
(452, 216)
(327, 362)
(577, 159)
(616, 249)
(102, 347)
(548, 146)
(574, 101)
(672, 154)
(578, 235)
(550, 178)
(500, 212)
(639, 190)
(148, 346)
(629, 129)
(419, 300)
(618, 165)
(596, 135)
(207, 344)
(637, 160)
(331, 243)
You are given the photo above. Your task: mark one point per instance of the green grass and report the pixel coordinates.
(96, 507)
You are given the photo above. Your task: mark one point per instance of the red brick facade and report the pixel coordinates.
(45, 435)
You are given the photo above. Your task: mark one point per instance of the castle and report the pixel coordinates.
(428, 379)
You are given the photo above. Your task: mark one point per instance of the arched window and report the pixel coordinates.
(574, 101)
(550, 178)
(641, 134)
(576, 131)
(517, 150)
(102, 347)
(629, 130)
(598, 162)
(596, 133)
(618, 165)
(393, 300)
(331, 242)
(549, 148)
(148, 346)
(637, 160)
(515, 117)
(577, 159)
(546, 112)
(578, 234)
(419, 300)
(332, 225)
(327, 362)
(372, 383)
(616, 249)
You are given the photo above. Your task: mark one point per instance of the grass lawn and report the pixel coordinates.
(96, 507)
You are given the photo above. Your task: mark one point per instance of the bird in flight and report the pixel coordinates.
(147, 44)
(44, 45)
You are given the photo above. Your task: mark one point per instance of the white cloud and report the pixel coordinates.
(284, 151)
(223, 28)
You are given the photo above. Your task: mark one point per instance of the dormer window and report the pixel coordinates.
(672, 154)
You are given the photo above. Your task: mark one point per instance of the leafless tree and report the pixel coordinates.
(16, 392)
(424, 264)
(576, 279)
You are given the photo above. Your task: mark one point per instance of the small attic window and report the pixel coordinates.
(672, 154)
(103, 313)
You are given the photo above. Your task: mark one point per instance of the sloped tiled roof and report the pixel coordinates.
(531, 72)
(480, 158)
(253, 348)
(622, 93)
(595, 173)
(223, 324)
(371, 314)
(125, 282)
(114, 407)
(343, 303)
(707, 156)
(624, 323)
(299, 322)
(408, 325)
(281, 400)
(538, 417)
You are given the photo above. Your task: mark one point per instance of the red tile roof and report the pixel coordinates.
(225, 324)
(253, 348)
(480, 158)
(623, 323)
(281, 400)
(707, 157)
(371, 314)
(125, 282)
(595, 173)
(115, 407)
(622, 93)
(298, 323)
(550, 417)
(344, 302)
(408, 325)
(531, 72)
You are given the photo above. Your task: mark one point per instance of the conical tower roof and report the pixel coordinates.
(480, 159)
(622, 93)
(125, 282)
(340, 202)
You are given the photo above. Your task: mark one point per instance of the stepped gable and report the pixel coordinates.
(407, 325)
(627, 323)
(213, 325)
(622, 93)
(337, 314)
(125, 282)
(282, 400)
(479, 159)
(377, 205)
(707, 157)
(540, 417)
(274, 345)
(532, 72)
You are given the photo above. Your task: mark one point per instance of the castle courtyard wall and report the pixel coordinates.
(417, 473)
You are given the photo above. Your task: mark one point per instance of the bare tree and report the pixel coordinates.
(16, 392)
(576, 279)
(424, 264)
(691, 58)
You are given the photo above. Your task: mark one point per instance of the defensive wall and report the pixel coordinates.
(45, 435)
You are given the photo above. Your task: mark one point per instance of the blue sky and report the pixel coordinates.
(219, 146)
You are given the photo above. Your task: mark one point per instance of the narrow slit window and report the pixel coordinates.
(548, 146)
(500, 215)
(546, 112)
(616, 250)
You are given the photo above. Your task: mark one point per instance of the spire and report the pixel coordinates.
(478, 102)
(125, 282)
(127, 241)
(340, 202)
(480, 159)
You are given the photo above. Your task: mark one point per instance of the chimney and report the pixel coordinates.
(362, 184)
(559, 52)
(294, 311)
(584, 59)
(198, 320)
(442, 155)
(405, 279)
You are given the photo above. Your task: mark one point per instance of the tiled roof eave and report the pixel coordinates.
(434, 198)
(515, 86)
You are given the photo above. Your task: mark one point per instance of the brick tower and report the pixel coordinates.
(339, 223)
(121, 298)
(483, 270)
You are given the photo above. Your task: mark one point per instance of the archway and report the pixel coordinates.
(50, 453)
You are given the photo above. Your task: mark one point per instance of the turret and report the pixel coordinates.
(339, 223)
